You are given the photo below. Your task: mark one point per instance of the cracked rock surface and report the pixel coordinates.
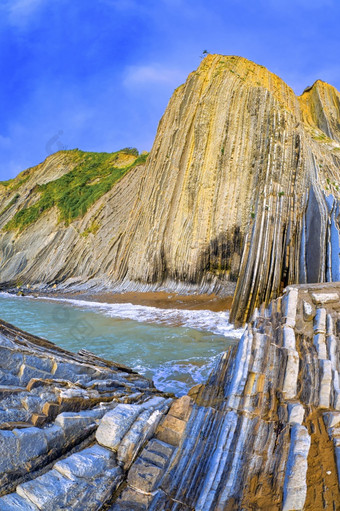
(263, 433)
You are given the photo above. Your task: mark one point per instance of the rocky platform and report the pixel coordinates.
(263, 433)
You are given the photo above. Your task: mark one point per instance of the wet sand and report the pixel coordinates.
(159, 299)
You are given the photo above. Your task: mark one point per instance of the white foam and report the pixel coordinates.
(179, 376)
(168, 373)
(9, 295)
(204, 320)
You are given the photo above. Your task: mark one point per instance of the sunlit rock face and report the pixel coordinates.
(240, 190)
(244, 185)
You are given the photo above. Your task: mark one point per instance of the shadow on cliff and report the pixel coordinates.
(222, 256)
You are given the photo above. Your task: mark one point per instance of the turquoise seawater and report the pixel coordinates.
(176, 348)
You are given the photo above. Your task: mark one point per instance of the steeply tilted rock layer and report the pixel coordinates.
(81, 433)
(241, 188)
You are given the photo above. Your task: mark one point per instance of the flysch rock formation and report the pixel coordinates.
(51, 404)
(262, 434)
(241, 189)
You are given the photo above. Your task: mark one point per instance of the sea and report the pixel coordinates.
(176, 348)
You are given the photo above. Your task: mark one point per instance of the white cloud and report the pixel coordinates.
(20, 12)
(152, 74)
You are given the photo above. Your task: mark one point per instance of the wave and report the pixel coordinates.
(204, 320)
(178, 376)
(168, 357)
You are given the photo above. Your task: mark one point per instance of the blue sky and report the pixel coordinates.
(98, 74)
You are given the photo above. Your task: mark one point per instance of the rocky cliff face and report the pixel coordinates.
(69, 231)
(241, 188)
(81, 433)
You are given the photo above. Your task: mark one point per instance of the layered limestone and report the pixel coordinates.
(263, 433)
(241, 189)
(49, 252)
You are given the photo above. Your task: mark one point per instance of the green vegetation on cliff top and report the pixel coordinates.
(74, 192)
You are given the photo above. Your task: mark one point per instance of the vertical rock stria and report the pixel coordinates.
(241, 188)
(242, 185)
(77, 432)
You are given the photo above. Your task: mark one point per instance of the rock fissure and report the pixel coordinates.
(262, 433)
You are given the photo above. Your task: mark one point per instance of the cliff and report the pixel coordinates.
(60, 221)
(78, 432)
(240, 190)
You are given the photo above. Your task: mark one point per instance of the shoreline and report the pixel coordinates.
(158, 299)
(163, 300)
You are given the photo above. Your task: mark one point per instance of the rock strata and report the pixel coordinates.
(51, 404)
(240, 190)
(262, 433)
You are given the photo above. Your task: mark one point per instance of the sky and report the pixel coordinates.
(97, 74)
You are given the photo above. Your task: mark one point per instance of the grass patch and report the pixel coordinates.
(93, 229)
(130, 150)
(75, 192)
(322, 138)
(6, 183)
(15, 183)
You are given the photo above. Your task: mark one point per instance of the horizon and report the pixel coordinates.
(98, 76)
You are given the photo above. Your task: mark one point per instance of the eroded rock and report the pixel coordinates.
(250, 438)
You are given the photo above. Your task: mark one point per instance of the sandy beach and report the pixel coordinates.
(158, 299)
